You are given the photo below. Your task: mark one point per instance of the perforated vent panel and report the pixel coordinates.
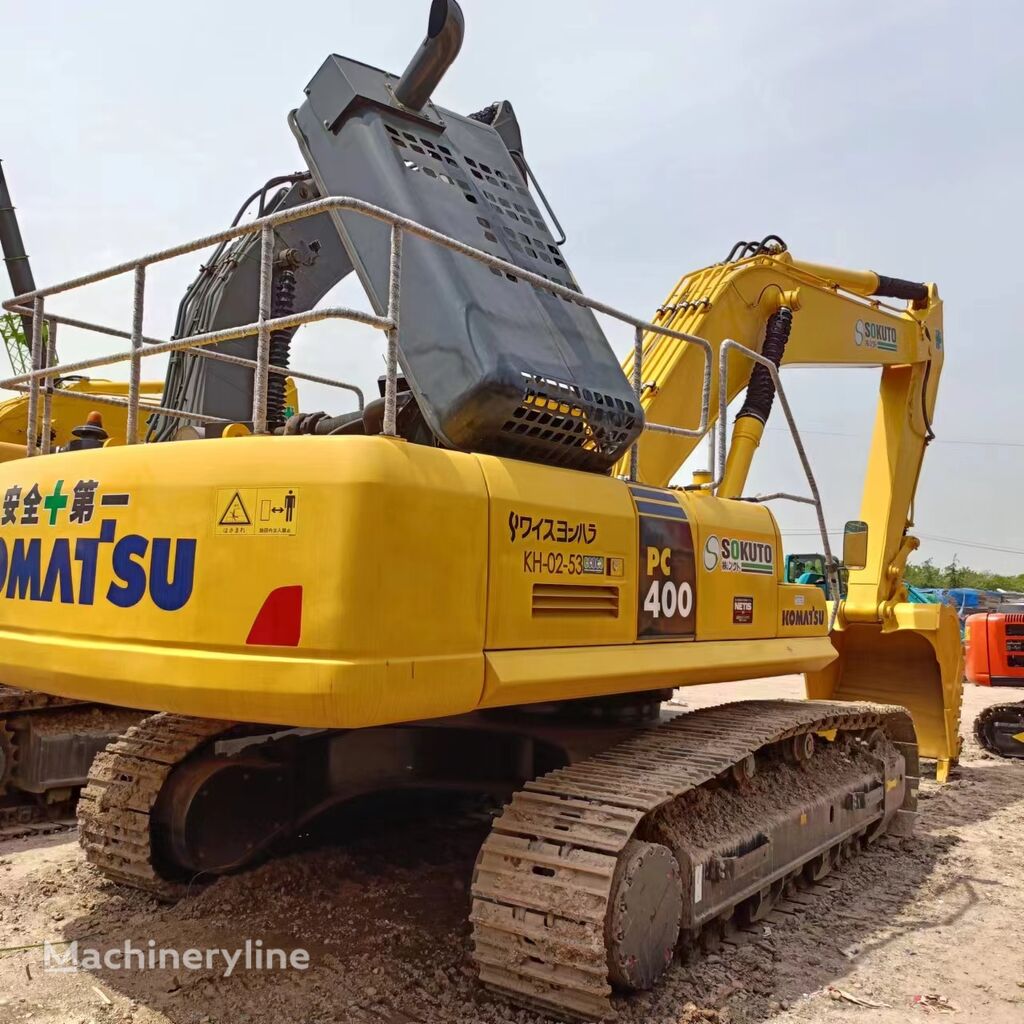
(579, 423)
(574, 599)
(497, 365)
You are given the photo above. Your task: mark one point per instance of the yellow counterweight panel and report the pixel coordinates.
(563, 557)
(346, 582)
(386, 540)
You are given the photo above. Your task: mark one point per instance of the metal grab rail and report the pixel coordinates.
(720, 427)
(45, 370)
(264, 325)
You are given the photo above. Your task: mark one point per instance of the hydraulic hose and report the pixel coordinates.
(761, 389)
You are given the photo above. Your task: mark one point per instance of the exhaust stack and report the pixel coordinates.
(438, 50)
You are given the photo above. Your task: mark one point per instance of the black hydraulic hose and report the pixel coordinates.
(211, 264)
(743, 250)
(898, 288)
(761, 389)
(734, 252)
(929, 434)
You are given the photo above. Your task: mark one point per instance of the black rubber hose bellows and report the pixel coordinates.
(761, 389)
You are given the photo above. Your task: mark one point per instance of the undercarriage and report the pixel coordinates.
(629, 833)
(46, 746)
(1000, 729)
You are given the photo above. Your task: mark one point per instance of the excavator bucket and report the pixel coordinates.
(916, 660)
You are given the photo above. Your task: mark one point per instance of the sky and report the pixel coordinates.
(879, 136)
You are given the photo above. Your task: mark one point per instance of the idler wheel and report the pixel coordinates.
(642, 927)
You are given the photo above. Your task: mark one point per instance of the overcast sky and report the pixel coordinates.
(883, 136)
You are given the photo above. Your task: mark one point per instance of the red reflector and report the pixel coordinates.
(279, 621)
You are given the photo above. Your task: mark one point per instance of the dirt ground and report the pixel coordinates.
(381, 907)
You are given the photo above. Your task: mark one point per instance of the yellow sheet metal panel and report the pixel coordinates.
(803, 610)
(562, 557)
(276, 576)
(358, 581)
(523, 677)
(255, 685)
(738, 568)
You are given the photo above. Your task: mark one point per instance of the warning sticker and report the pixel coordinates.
(257, 512)
(277, 511)
(235, 509)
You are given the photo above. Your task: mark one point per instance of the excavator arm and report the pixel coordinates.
(804, 314)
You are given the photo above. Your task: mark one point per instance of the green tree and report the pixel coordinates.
(954, 573)
(927, 574)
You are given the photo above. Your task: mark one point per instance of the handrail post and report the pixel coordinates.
(394, 301)
(637, 381)
(261, 375)
(51, 360)
(723, 409)
(33, 391)
(135, 370)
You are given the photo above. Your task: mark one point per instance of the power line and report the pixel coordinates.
(923, 536)
(938, 440)
(972, 544)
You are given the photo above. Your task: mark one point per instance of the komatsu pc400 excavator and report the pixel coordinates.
(486, 579)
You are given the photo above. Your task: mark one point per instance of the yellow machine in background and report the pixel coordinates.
(68, 413)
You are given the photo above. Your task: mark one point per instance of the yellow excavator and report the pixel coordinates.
(486, 579)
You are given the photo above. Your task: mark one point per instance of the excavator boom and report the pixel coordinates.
(889, 649)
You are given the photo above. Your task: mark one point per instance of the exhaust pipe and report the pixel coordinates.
(438, 50)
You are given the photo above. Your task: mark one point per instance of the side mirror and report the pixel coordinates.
(855, 544)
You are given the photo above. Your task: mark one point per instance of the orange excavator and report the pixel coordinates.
(995, 657)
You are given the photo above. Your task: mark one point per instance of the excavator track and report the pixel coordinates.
(14, 701)
(1000, 729)
(27, 819)
(36, 719)
(114, 824)
(565, 881)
